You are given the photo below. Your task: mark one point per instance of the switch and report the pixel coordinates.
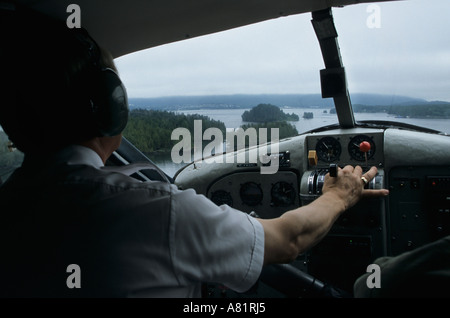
(312, 158)
(365, 148)
(415, 184)
(333, 170)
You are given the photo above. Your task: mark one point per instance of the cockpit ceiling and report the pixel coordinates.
(126, 26)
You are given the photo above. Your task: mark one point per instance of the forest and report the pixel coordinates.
(267, 113)
(430, 110)
(150, 130)
(286, 130)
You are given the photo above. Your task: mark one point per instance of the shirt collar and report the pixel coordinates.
(70, 155)
(79, 155)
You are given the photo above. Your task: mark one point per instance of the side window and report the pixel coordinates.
(10, 158)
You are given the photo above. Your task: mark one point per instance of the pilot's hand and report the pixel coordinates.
(349, 185)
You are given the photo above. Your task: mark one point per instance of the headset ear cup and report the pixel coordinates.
(110, 104)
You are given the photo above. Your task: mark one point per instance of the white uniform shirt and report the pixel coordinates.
(129, 238)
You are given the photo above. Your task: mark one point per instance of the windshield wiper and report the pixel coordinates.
(332, 78)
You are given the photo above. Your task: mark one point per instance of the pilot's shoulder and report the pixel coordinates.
(114, 180)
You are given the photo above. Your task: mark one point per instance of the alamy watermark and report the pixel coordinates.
(374, 279)
(235, 141)
(374, 19)
(74, 19)
(74, 279)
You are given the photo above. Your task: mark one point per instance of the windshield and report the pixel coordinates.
(396, 57)
(402, 57)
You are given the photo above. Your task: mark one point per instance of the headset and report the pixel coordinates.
(97, 91)
(106, 93)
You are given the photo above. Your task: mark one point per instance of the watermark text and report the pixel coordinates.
(374, 19)
(74, 279)
(74, 19)
(235, 140)
(374, 279)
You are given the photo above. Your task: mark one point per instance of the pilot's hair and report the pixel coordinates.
(44, 71)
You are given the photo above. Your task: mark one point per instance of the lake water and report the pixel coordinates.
(232, 119)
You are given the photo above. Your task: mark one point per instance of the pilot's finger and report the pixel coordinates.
(369, 175)
(375, 193)
(358, 170)
(347, 169)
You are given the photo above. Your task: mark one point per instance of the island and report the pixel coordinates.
(308, 115)
(267, 113)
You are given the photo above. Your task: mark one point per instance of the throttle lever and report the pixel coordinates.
(333, 170)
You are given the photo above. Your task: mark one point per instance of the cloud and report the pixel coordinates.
(407, 55)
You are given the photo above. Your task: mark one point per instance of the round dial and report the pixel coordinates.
(221, 197)
(283, 194)
(354, 148)
(251, 194)
(328, 149)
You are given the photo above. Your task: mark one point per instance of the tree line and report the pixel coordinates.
(151, 130)
(285, 129)
(431, 110)
(267, 113)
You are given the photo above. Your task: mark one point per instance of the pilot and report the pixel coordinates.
(72, 228)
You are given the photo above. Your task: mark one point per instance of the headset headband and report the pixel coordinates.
(107, 94)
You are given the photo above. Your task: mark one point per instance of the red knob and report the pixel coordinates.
(364, 146)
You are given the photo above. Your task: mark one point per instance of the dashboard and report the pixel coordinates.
(413, 165)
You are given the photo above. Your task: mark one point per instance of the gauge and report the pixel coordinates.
(328, 149)
(354, 150)
(221, 197)
(251, 194)
(283, 194)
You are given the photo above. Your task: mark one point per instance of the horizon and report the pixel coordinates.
(280, 100)
(275, 94)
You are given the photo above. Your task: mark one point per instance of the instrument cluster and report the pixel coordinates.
(355, 149)
(270, 195)
(267, 195)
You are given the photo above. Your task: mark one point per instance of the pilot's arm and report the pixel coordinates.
(298, 230)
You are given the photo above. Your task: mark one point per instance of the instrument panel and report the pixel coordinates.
(355, 148)
(268, 196)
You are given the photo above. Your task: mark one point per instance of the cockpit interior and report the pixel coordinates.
(266, 180)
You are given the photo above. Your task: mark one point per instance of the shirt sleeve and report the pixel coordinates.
(209, 243)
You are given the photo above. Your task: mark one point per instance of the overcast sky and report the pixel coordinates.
(408, 54)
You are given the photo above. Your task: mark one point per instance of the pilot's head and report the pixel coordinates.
(58, 86)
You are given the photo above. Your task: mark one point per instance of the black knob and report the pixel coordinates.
(333, 170)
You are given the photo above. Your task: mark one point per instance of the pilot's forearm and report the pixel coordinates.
(310, 223)
(298, 230)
